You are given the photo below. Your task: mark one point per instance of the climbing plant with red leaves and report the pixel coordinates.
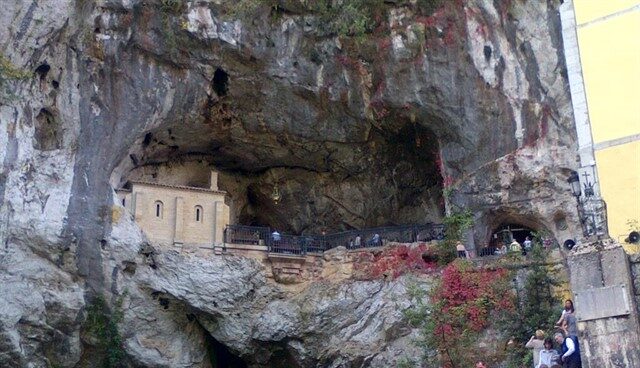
(394, 261)
(464, 302)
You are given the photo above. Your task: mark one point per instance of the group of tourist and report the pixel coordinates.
(516, 247)
(567, 354)
(356, 242)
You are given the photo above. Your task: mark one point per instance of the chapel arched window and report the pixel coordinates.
(198, 213)
(158, 207)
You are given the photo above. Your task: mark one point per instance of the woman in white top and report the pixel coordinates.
(548, 357)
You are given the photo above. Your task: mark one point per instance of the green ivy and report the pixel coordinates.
(353, 18)
(8, 73)
(172, 6)
(456, 225)
(535, 310)
(102, 323)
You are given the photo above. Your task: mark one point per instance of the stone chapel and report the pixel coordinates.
(177, 215)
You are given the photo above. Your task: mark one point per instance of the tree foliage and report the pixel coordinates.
(536, 308)
(456, 225)
(102, 323)
(457, 310)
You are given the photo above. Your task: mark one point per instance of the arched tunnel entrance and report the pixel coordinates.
(506, 233)
(501, 227)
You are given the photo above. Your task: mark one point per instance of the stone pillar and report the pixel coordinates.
(178, 234)
(608, 325)
(139, 206)
(213, 180)
(220, 220)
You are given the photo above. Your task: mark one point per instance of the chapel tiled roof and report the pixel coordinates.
(183, 187)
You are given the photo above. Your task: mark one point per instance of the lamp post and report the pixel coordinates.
(574, 181)
(592, 210)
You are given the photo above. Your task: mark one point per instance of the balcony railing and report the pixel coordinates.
(352, 239)
(250, 235)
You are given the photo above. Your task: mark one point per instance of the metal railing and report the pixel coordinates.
(486, 252)
(250, 235)
(546, 244)
(352, 239)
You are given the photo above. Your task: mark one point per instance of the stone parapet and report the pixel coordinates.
(605, 340)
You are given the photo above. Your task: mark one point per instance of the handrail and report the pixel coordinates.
(350, 239)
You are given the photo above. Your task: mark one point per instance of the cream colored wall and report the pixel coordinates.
(163, 230)
(159, 230)
(589, 10)
(609, 41)
(620, 185)
(610, 56)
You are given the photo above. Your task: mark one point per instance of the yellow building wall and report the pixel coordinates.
(619, 175)
(589, 10)
(610, 58)
(162, 230)
(609, 41)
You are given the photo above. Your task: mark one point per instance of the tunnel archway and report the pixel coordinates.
(505, 233)
(493, 228)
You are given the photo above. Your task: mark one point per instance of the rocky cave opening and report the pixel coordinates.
(392, 177)
(220, 82)
(220, 356)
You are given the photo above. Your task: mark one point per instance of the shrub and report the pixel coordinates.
(536, 308)
(395, 261)
(102, 323)
(458, 309)
(456, 225)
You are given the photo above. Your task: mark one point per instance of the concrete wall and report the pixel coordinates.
(610, 341)
(634, 261)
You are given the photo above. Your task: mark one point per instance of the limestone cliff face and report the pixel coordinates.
(472, 96)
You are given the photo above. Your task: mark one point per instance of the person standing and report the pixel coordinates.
(570, 325)
(515, 247)
(548, 356)
(537, 344)
(527, 244)
(358, 241)
(566, 322)
(275, 236)
(375, 240)
(570, 357)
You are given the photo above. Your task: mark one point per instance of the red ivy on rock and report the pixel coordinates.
(463, 303)
(395, 261)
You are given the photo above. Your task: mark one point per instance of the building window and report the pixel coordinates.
(198, 214)
(158, 209)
